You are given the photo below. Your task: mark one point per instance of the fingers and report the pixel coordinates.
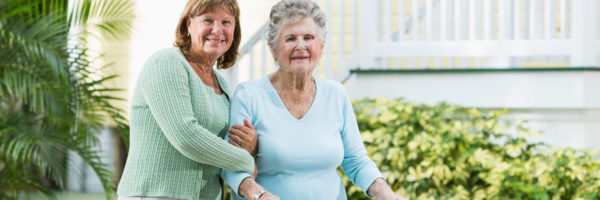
(247, 128)
(248, 124)
(234, 143)
(234, 140)
(242, 128)
(240, 134)
(236, 132)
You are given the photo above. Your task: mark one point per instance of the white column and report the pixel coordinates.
(368, 32)
(584, 18)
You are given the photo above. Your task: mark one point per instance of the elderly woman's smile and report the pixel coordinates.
(298, 48)
(302, 56)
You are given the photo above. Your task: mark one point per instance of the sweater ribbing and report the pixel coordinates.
(177, 129)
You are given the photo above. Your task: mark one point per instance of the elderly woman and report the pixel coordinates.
(306, 127)
(180, 111)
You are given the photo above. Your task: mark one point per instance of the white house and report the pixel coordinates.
(538, 58)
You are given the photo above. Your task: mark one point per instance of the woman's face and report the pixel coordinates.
(298, 48)
(212, 32)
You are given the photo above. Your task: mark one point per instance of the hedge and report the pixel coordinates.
(451, 152)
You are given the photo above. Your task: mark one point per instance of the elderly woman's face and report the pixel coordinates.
(298, 47)
(212, 32)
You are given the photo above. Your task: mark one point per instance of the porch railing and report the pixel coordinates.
(444, 34)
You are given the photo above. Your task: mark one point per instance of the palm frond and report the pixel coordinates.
(110, 18)
(25, 141)
(52, 97)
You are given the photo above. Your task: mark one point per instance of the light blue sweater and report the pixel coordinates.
(297, 159)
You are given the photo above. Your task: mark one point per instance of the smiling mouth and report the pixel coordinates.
(299, 57)
(215, 41)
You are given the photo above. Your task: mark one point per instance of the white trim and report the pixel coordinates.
(472, 48)
(503, 89)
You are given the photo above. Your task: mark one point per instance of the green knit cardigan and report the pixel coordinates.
(176, 150)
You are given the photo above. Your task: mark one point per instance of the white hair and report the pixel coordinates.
(290, 11)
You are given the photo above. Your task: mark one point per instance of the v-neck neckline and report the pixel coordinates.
(213, 73)
(221, 85)
(276, 94)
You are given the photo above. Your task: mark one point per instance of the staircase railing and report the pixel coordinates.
(341, 50)
(484, 34)
(448, 34)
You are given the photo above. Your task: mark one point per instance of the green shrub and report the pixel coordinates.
(451, 152)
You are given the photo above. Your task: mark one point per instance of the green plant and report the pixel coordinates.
(452, 152)
(53, 99)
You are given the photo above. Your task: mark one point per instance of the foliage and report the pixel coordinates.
(451, 152)
(53, 99)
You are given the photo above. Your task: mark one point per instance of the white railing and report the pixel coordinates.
(480, 33)
(418, 34)
(342, 18)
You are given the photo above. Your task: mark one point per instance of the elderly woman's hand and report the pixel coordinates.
(249, 189)
(244, 136)
(382, 191)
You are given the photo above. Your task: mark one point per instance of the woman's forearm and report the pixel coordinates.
(377, 188)
(382, 191)
(248, 188)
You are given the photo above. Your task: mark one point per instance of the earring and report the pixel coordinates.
(189, 35)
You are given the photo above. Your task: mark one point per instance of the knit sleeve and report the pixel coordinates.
(166, 89)
(240, 109)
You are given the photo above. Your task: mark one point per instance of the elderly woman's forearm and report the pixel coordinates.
(382, 191)
(249, 187)
(378, 188)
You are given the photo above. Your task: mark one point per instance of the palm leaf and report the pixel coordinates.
(52, 99)
(111, 18)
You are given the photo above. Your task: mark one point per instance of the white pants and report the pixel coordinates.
(145, 198)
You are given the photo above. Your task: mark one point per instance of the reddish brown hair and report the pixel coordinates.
(195, 8)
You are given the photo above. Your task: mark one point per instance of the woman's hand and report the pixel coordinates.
(382, 191)
(244, 136)
(249, 187)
